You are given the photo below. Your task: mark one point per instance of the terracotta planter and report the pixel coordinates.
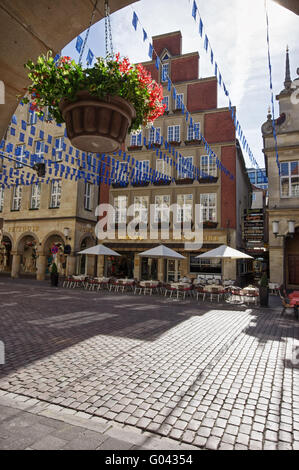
(210, 224)
(139, 184)
(264, 296)
(54, 279)
(95, 125)
(193, 142)
(175, 143)
(208, 180)
(153, 145)
(120, 185)
(184, 181)
(162, 182)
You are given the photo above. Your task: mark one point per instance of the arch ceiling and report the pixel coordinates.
(29, 28)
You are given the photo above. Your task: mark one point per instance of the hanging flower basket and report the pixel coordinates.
(99, 105)
(95, 125)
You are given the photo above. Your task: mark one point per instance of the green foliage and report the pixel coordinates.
(52, 81)
(264, 281)
(54, 269)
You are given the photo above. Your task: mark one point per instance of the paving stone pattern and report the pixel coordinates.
(204, 374)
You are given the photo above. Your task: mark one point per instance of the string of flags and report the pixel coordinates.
(207, 46)
(95, 168)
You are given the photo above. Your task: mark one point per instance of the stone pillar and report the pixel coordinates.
(161, 269)
(229, 269)
(100, 266)
(137, 265)
(16, 262)
(71, 265)
(90, 265)
(41, 267)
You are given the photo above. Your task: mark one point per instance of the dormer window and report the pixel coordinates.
(165, 72)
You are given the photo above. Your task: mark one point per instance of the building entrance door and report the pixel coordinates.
(293, 264)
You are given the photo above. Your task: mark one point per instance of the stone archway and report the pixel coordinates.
(85, 264)
(29, 29)
(53, 250)
(27, 247)
(25, 256)
(5, 254)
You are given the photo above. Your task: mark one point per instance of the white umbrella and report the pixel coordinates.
(99, 250)
(224, 252)
(161, 251)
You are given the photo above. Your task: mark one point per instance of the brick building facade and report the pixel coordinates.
(225, 198)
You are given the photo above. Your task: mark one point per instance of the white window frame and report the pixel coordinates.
(39, 152)
(162, 208)
(1, 199)
(31, 117)
(35, 196)
(16, 198)
(289, 178)
(208, 203)
(141, 204)
(164, 77)
(208, 165)
(124, 174)
(179, 101)
(143, 169)
(174, 133)
(57, 157)
(166, 101)
(194, 131)
(184, 169)
(155, 135)
(184, 213)
(163, 168)
(87, 196)
(120, 207)
(136, 139)
(55, 197)
(20, 156)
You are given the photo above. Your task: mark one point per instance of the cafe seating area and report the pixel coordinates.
(205, 289)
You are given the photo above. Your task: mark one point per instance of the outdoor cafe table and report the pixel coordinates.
(209, 287)
(149, 283)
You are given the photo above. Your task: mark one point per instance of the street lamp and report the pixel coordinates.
(289, 234)
(291, 227)
(66, 233)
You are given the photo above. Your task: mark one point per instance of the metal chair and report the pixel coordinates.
(200, 291)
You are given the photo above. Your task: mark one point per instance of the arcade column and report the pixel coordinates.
(16, 262)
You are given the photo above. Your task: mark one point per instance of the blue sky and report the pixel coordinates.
(237, 34)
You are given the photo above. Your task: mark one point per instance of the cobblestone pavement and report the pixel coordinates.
(206, 375)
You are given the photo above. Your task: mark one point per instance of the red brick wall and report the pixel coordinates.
(228, 188)
(219, 127)
(172, 43)
(184, 69)
(152, 69)
(202, 96)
